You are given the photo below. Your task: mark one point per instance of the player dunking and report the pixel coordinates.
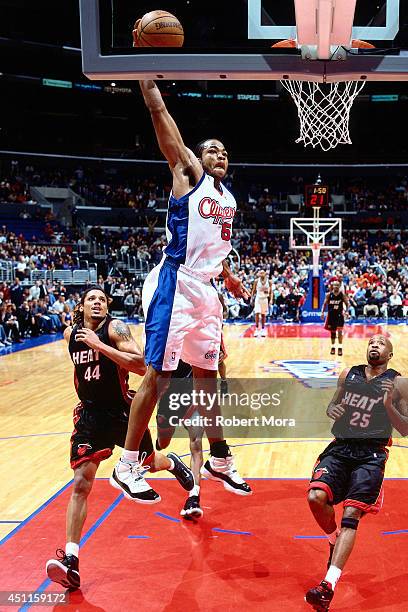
(369, 400)
(182, 310)
(103, 353)
(336, 302)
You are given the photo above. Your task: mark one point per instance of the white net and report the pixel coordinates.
(324, 111)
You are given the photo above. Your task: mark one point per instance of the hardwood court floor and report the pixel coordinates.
(38, 397)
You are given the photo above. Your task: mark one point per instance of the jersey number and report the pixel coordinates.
(95, 374)
(226, 231)
(360, 420)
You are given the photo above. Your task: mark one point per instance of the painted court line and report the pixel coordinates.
(169, 518)
(247, 533)
(44, 585)
(52, 433)
(318, 537)
(29, 518)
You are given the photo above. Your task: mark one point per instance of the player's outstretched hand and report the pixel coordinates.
(322, 315)
(88, 336)
(388, 388)
(236, 287)
(336, 411)
(134, 34)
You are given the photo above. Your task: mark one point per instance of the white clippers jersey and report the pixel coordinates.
(262, 289)
(199, 227)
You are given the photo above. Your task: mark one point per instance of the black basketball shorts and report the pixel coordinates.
(352, 472)
(96, 434)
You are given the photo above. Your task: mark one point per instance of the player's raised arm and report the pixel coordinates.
(168, 135)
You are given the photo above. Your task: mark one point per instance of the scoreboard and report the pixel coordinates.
(316, 196)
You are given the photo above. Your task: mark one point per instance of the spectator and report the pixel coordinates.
(395, 304)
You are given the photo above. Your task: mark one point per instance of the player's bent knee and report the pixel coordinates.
(348, 522)
(82, 486)
(317, 497)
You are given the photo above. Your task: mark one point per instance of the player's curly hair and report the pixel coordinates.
(77, 313)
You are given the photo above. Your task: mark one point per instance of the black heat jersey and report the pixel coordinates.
(365, 416)
(335, 315)
(99, 382)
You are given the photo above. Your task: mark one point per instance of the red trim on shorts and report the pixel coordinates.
(96, 457)
(366, 508)
(149, 459)
(323, 486)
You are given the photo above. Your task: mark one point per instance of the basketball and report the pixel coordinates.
(159, 29)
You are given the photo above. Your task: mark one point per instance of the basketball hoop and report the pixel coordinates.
(324, 108)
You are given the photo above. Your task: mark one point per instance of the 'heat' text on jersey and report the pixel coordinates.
(85, 356)
(355, 400)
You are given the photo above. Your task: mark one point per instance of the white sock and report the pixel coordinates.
(194, 491)
(333, 575)
(129, 456)
(332, 537)
(72, 549)
(340, 346)
(171, 468)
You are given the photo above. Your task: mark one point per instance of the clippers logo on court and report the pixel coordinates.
(211, 209)
(211, 355)
(318, 473)
(82, 448)
(311, 372)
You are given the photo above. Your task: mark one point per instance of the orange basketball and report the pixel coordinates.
(285, 44)
(159, 29)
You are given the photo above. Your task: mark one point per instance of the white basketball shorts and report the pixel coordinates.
(261, 306)
(183, 318)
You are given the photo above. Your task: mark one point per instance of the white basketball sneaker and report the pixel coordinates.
(129, 478)
(224, 470)
(263, 333)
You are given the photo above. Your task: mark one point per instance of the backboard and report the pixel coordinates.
(232, 40)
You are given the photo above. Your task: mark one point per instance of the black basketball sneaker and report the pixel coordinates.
(340, 352)
(64, 570)
(224, 470)
(333, 350)
(320, 596)
(129, 478)
(223, 387)
(192, 508)
(183, 474)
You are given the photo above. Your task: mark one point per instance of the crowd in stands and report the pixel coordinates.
(127, 187)
(374, 275)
